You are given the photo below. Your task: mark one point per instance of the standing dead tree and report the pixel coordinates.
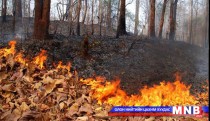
(78, 17)
(151, 27)
(162, 19)
(42, 19)
(136, 18)
(121, 28)
(4, 10)
(173, 7)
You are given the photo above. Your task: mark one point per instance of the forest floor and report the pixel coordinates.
(136, 61)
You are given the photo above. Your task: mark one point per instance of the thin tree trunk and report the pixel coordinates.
(206, 43)
(18, 9)
(109, 15)
(121, 28)
(152, 19)
(162, 19)
(24, 8)
(4, 10)
(196, 21)
(83, 21)
(92, 17)
(190, 22)
(174, 14)
(118, 10)
(173, 8)
(136, 18)
(14, 15)
(70, 17)
(78, 17)
(100, 16)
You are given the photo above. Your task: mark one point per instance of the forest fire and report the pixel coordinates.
(165, 94)
(106, 92)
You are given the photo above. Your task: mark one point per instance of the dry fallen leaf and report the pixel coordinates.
(61, 105)
(48, 80)
(150, 119)
(86, 108)
(43, 107)
(24, 106)
(84, 118)
(8, 87)
(73, 110)
(51, 86)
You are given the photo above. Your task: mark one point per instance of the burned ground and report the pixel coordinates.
(137, 61)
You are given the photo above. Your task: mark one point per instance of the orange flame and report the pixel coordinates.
(165, 94)
(19, 58)
(4, 52)
(40, 59)
(61, 66)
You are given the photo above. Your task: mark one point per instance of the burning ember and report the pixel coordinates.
(164, 94)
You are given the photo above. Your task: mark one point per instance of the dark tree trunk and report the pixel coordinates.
(136, 18)
(70, 16)
(92, 17)
(174, 14)
(4, 10)
(173, 7)
(109, 15)
(78, 17)
(101, 16)
(83, 21)
(14, 16)
(190, 23)
(162, 19)
(42, 19)
(18, 9)
(206, 42)
(152, 19)
(121, 28)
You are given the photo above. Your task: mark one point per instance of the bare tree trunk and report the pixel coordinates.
(136, 18)
(118, 10)
(92, 17)
(190, 22)
(109, 15)
(70, 17)
(24, 8)
(83, 21)
(173, 7)
(78, 17)
(195, 25)
(162, 18)
(174, 14)
(4, 10)
(42, 19)
(100, 16)
(29, 9)
(152, 19)
(121, 28)
(14, 16)
(18, 9)
(206, 43)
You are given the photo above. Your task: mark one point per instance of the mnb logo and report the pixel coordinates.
(186, 110)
